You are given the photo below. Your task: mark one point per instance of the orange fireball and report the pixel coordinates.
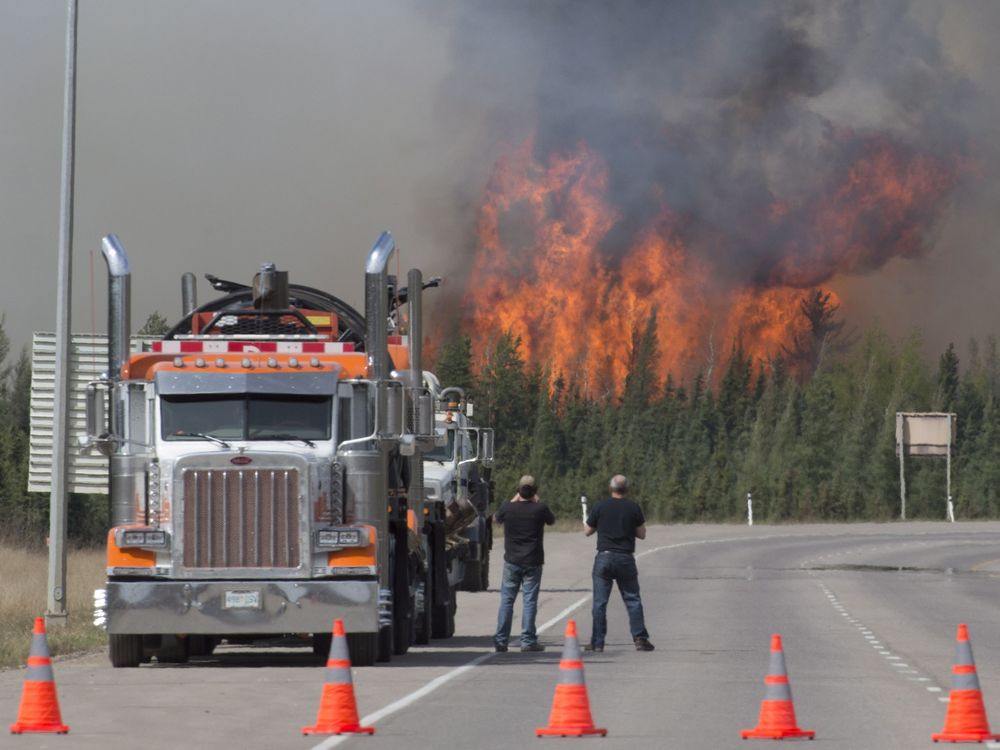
(546, 268)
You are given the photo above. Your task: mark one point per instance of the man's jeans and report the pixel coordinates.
(527, 578)
(611, 567)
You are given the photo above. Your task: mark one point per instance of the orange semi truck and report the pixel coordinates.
(266, 472)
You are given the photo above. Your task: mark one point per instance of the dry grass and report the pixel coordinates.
(23, 597)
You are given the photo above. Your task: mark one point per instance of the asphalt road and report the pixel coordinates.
(867, 614)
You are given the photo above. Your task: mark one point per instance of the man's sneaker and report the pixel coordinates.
(533, 647)
(643, 644)
(500, 647)
(597, 648)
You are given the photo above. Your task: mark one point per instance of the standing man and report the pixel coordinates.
(524, 519)
(618, 522)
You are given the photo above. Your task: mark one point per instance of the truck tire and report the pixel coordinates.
(125, 650)
(444, 617)
(384, 643)
(484, 572)
(423, 613)
(362, 648)
(472, 578)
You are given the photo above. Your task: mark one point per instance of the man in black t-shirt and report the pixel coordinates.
(618, 522)
(524, 519)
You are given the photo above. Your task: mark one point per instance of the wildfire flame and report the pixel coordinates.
(544, 272)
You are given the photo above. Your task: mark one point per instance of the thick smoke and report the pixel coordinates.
(722, 112)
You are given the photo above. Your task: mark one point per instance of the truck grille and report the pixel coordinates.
(241, 518)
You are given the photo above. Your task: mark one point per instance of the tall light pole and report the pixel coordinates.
(56, 612)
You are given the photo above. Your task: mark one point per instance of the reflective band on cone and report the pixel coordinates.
(39, 710)
(338, 710)
(777, 711)
(965, 720)
(570, 715)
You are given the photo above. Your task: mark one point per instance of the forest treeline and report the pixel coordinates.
(810, 433)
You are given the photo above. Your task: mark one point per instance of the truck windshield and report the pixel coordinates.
(246, 417)
(443, 452)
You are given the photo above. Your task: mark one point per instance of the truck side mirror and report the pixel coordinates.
(486, 446)
(97, 433)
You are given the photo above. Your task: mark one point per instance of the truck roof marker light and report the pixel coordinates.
(272, 362)
(314, 361)
(247, 363)
(222, 345)
(200, 362)
(178, 361)
(220, 362)
(293, 362)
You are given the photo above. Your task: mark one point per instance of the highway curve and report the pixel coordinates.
(867, 614)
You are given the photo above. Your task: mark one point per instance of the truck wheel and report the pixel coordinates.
(444, 617)
(404, 627)
(362, 648)
(125, 650)
(484, 572)
(472, 579)
(423, 619)
(384, 644)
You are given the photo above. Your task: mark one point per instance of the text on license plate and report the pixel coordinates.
(242, 600)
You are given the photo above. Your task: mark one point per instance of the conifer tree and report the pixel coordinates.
(947, 381)
(454, 364)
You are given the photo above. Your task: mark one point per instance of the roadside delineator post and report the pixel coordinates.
(570, 715)
(777, 711)
(39, 710)
(338, 710)
(965, 720)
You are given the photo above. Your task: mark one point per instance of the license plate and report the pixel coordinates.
(242, 600)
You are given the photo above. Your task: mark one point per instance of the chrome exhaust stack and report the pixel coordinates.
(126, 475)
(119, 304)
(376, 342)
(189, 294)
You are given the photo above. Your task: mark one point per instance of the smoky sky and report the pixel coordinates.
(213, 135)
(722, 106)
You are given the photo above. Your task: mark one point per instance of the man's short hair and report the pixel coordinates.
(527, 487)
(618, 483)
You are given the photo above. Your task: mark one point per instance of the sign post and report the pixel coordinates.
(926, 434)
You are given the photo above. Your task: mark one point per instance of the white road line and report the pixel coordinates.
(873, 641)
(434, 684)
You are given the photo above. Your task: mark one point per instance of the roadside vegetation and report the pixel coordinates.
(23, 597)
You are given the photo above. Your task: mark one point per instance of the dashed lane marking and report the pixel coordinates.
(894, 660)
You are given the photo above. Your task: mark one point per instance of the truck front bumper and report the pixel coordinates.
(241, 607)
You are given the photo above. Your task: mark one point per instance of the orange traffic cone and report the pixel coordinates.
(570, 715)
(39, 705)
(965, 720)
(777, 712)
(338, 711)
